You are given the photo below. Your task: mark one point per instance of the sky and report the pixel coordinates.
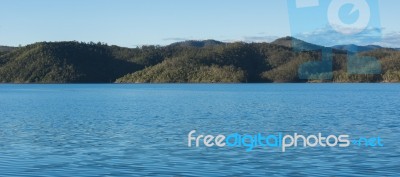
(132, 23)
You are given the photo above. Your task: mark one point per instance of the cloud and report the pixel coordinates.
(176, 39)
(259, 38)
(391, 40)
(327, 36)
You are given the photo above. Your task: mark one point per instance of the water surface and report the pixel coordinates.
(131, 130)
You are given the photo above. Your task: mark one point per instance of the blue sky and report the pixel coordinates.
(131, 23)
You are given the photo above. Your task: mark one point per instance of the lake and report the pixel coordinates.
(142, 129)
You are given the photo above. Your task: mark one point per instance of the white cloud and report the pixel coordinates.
(391, 40)
(327, 36)
(175, 39)
(259, 38)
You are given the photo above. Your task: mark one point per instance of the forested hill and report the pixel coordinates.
(189, 61)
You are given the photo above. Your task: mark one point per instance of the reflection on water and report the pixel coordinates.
(120, 130)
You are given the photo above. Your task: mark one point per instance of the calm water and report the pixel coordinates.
(132, 130)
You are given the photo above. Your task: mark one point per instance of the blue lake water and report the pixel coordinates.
(142, 130)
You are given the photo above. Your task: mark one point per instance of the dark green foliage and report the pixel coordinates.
(63, 62)
(390, 61)
(182, 70)
(191, 61)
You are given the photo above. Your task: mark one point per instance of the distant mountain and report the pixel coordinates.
(194, 43)
(300, 45)
(356, 48)
(7, 48)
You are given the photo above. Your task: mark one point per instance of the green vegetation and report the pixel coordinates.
(190, 61)
(64, 62)
(180, 70)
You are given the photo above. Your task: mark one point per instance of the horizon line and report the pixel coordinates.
(195, 40)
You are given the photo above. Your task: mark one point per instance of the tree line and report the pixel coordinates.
(184, 62)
